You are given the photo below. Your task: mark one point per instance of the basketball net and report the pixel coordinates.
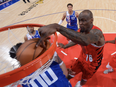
(33, 75)
(19, 74)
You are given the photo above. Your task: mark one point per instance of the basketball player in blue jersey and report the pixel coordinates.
(53, 76)
(31, 34)
(71, 18)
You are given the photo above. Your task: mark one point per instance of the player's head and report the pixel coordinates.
(69, 6)
(85, 20)
(30, 29)
(27, 51)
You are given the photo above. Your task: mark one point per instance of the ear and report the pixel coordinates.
(91, 20)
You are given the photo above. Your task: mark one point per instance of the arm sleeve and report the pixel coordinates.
(60, 22)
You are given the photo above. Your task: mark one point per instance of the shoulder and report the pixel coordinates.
(76, 13)
(25, 38)
(64, 14)
(36, 31)
(98, 32)
(95, 27)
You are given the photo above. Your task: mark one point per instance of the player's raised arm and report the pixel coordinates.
(67, 45)
(76, 37)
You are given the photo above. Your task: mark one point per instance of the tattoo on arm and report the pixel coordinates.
(78, 38)
(69, 45)
(111, 41)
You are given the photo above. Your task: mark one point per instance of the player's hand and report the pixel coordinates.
(106, 41)
(46, 31)
(61, 45)
(71, 72)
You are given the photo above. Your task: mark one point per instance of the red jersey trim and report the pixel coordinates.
(94, 27)
(97, 46)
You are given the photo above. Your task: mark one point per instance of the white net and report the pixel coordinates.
(9, 38)
(6, 62)
(6, 66)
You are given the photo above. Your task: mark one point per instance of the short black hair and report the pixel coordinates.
(13, 50)
(69, 4)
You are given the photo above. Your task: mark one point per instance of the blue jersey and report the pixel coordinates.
(35, 36)
(51, 77)
(71, 21)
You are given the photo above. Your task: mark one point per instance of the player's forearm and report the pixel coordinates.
(76, 37)
(111, 41)
(69, 45)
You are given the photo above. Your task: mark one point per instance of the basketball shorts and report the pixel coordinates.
(84, 67)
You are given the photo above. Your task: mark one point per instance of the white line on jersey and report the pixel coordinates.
(63, 52)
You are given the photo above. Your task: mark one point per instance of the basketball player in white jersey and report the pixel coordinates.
(71, 18)
(31, 34)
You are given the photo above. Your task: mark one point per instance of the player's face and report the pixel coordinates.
(31, 29)
(85, 22)
(70, 8)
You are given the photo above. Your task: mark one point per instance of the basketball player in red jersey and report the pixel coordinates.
(89, 37)
(112, 63)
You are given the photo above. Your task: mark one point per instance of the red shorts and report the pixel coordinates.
(113, 61)
(84, 67)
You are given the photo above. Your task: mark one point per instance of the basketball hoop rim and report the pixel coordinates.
(19, 73)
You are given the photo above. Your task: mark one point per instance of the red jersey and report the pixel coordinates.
(92, 53)
(115, 41)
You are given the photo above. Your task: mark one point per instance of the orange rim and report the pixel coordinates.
(19, 73)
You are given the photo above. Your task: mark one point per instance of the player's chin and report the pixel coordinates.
(82, 29)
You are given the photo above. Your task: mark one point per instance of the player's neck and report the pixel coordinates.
(89, 29)
(70, 12)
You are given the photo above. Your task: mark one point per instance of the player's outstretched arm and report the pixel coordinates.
(76, 37)
(111, 41)
(67, 45)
